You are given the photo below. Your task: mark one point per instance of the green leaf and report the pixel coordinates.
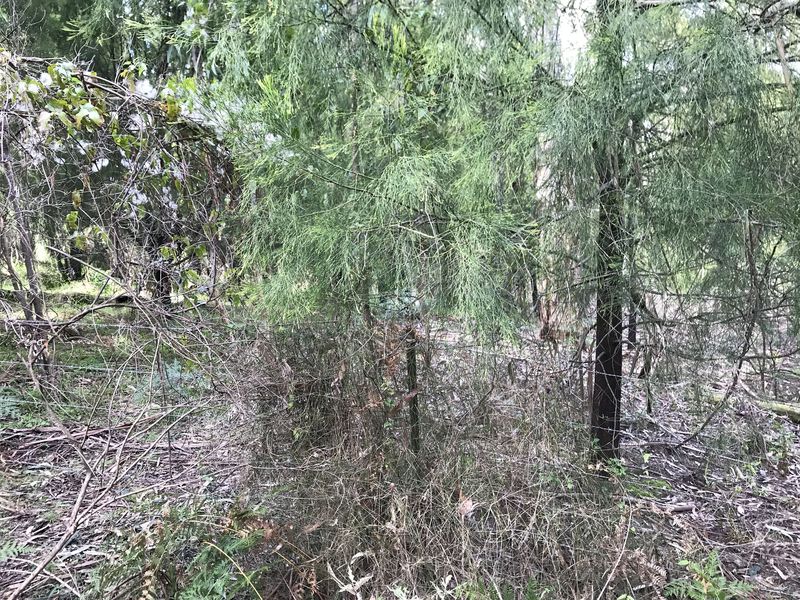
(90, 112)
(95, 117)
(72, 220)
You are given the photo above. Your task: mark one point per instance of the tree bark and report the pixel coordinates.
(607, 388)
(16, 282)
(413, 391)
(163, 287)
(26, 243)
(783, 409)
(632, 325)
(70, 264)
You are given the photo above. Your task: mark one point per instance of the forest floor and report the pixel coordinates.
(735, 491)
(137, 480)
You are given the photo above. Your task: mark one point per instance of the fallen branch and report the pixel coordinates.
(72, 526)
(781, 408)
(77, 433)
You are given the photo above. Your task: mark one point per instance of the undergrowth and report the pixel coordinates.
(705, 581)
(187, 553)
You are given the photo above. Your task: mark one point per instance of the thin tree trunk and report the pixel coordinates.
(632, 325)
(33, 302)
(116, 251)
(413, 391)
(26, 244)
(785, 69)
(607, 389)
(70, 264)
(163, 287)
(16, 282)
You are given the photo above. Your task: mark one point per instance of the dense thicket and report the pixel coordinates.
(431, 151)
(620, 171)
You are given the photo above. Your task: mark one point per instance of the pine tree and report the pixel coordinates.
(388, 147)
(673, 122)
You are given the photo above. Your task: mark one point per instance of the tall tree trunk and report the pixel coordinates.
(607, 389)
(117, 261)
(607, 392)
(33, 301)
(162, 286)
(161, 277)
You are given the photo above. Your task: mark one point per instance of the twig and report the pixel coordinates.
(613, 571)
(51, 575)
(71, 528)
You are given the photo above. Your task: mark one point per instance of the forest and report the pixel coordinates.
(399, 299)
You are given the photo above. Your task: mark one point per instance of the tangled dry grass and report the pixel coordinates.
(285, 472)
(506, 504)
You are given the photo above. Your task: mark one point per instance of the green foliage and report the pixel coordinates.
(10, 406)
(180, 378)
(374, 170)
(705, 582)
(12, 549)
(118, 174)
(385, 148)
(189, 553)
(49, 275)
(617, 468)
(17, 411)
